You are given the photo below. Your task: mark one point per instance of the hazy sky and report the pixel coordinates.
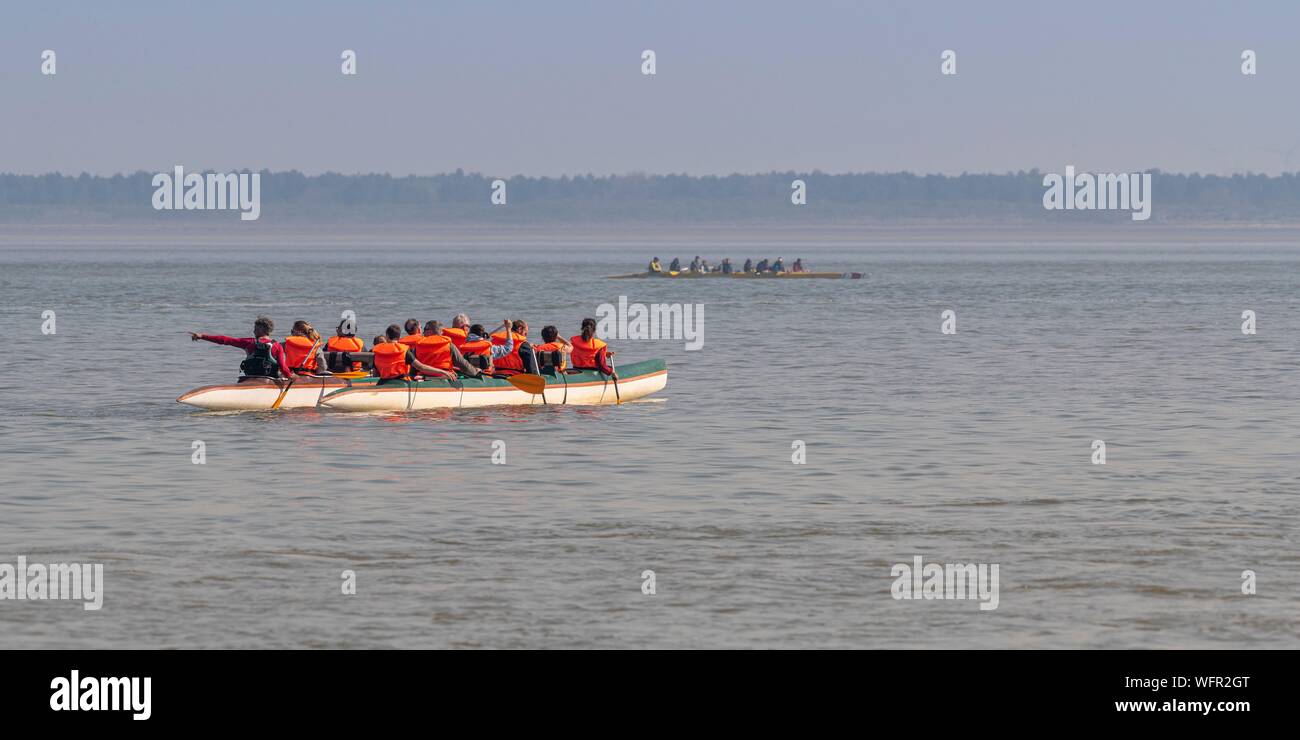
(555, 87)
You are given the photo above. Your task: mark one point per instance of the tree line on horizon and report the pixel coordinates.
(333, 189)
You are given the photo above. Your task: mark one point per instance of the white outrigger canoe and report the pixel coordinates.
(254, 394)
(587, 387)
(584, 388)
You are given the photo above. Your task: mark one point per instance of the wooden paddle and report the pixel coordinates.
(283, 392)
(538, 366)
(618, 400)
(529, 383)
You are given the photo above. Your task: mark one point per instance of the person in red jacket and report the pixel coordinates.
(264, 356)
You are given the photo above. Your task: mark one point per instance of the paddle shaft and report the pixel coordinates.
(283, 392)
(618, 400)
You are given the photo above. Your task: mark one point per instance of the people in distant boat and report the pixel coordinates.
(695, 264)
(779, 265)
(590, 352)
(264, 357)
(675, 265)
(655, 266)
(554, 349)
(303, 350)
(749, 265)
(761, 266)
(726, 266)
(798, 265)
(704, 266)
(436, 349)
(397, 361)
(479, 349)
(458, 330)
(520, 358)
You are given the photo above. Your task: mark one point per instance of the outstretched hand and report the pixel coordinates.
(194, 337)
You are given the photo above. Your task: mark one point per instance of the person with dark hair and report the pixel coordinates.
(726, 266)
(397, 361)
(761, 266)
(655, 266)
(749, 265)
(479, 348)
(554, 349)
(413, 334)
(436, 349)
(589, 351)
(520, 360)
(264, 356)
(675, 265)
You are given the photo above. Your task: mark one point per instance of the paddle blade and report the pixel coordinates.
(279, 400)
(528, 383)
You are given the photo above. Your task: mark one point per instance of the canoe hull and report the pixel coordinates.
(583, 389)
(260, 394)
(743, 275)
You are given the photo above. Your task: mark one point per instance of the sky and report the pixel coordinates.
(552, 88)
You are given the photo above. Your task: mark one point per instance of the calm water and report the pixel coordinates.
(967, 448)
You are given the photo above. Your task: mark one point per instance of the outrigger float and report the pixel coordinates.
(687, 274)
(582, 388)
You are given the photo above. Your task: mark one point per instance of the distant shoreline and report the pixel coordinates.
(721, 235)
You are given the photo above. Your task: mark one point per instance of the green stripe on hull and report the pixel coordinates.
(625, 373)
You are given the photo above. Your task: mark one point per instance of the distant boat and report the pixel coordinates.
(745, 275)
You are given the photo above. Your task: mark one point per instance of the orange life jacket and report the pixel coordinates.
(457, 335)
(584, 352)
(511, 362)
(300, 353)
(411, 340)
(390, 360)
(542, 349)
(345, 344)
(435, 351)
(478, 347)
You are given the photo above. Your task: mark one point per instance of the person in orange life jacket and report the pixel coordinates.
(521, 359)
(413, 334)
(554, 349)
(589, 352)
(264, 356)
(345, 340)
(458, 330)
(477, 342)
(302, 349)
(394, 360)
(436, 349)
